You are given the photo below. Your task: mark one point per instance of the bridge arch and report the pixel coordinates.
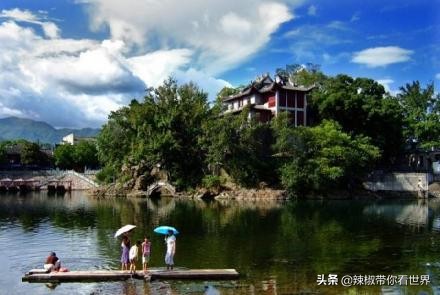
(159, 185)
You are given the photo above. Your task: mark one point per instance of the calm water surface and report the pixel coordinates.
(279, 248)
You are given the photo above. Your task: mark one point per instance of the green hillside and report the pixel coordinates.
(17, 128)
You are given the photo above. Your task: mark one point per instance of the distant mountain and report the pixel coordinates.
(17, 128)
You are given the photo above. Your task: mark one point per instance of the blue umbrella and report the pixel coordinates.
(163, 230)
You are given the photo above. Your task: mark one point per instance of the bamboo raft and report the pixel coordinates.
(42, 276)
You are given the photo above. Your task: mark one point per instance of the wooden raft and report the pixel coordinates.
(41, 276)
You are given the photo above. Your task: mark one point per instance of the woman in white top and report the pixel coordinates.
(170, 240)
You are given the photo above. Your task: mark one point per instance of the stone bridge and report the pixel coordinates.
(161, 185)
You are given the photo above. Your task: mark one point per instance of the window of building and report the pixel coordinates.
(300, 100)
(290, 99)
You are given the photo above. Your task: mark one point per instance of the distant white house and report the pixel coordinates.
(72, 139)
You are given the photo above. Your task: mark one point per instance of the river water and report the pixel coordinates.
(278, 248)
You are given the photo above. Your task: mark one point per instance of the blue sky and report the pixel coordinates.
(71, 62)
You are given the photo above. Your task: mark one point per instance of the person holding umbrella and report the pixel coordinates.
(170, 240)
(125, 258)
(125, 245)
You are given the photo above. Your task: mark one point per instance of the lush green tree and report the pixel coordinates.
(227, 91)
(320, 158)
(85, 155)
(77, 157)
(30, 152)
(240, 146)
(421, 107)
(163, 129)
(64, 156)
(362, 107)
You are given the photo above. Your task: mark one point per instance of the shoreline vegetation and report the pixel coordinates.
(256, 194)
(175, 141)
(174, 135)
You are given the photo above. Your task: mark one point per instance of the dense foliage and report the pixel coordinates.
(356, 124)
(362, 107)
(421, 109)
(315, 159)
(162, 130)
(239, 146)
(30, 153)
(77, 157)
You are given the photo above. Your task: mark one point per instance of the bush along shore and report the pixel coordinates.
(175, 136)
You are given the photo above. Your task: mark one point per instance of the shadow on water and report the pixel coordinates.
(278, 247)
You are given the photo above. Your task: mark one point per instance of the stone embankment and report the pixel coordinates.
(238, 193)
(41, 178)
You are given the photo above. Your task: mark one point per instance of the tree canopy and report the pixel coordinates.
(162, 129)
(357, 123)
(362, 107)
(421, 110)
(30, 152)
(316, 159)
(77, 157)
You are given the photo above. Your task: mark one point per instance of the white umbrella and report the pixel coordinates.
(124, 229)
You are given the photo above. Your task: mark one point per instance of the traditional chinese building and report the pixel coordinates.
(266, 98)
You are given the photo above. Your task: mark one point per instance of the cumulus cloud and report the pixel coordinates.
(153, 68)
(77, 82)
(65, 82)
(220, 33)
(382, 56)
(50, 29)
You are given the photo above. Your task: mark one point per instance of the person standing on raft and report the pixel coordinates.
(170, 240)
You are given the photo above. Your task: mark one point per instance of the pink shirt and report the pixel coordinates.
(146, 248)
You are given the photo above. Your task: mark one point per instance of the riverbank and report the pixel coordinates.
(236, 193)
(42, 179)
(256, 194)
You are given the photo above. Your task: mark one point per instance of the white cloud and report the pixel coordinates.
(386, 84)
(221, 34)
(204, 81)
(382, 56)
(153, 68)
(19, 15)
(50, 29)
(76, 83)
(312, 10)
(437, 76)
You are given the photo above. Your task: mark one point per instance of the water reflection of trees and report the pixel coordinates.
(271, 243)
(413, 214)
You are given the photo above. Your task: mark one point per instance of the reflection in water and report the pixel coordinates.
(416, 215)
(279, 248)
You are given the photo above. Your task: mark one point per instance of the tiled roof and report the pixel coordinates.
(264, 85)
